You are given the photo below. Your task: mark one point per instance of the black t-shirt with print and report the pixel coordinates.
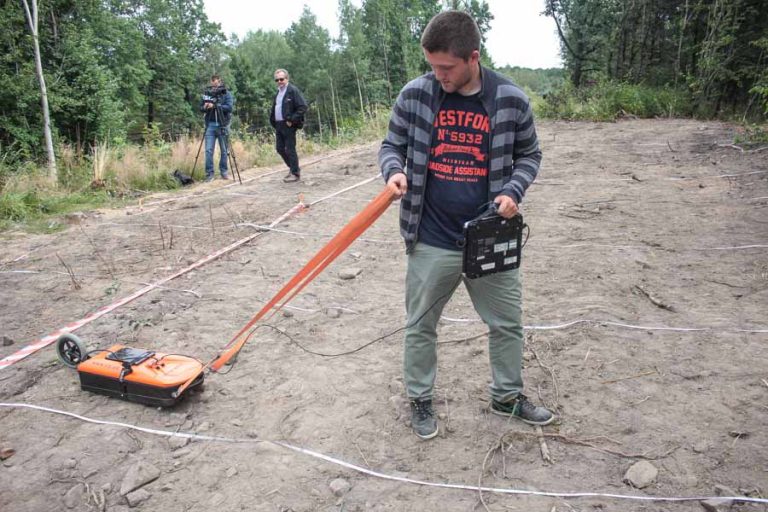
(457, 180)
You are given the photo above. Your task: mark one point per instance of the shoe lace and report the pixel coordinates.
(525, 406)
(423, 408)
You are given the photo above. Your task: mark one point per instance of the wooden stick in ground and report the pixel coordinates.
(543, 445)
(160, 228)
(69, 272)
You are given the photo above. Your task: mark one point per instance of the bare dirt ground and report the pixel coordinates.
(636, 226)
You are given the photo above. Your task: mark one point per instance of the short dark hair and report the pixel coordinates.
(215, 77)
(452, 31)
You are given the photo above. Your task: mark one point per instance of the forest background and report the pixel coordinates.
(100, 98)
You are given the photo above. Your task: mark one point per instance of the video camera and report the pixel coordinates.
(214, 94)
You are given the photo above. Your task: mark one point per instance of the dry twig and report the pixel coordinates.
(612, 381)
(656, 302)
(581, 442)
(552, 374)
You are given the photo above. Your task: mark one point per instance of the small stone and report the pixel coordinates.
(333, 312)
(717, 504)
(107, 487)
(237, 423)
(349, 273)
(138, 475)
(137, 497)
(724, 490)
(70, 463)
(181, 453)
(395, 386)
(441, 416)
(231, 472)
(74, 496)
(217, 499)
(7, 341)
(356, 255)
(175, 419)
(339, 487)
(287, 313)
(252, 434)
(204, 426)
(166, 488)
(178, 442)
(701, 447)
(641, 474)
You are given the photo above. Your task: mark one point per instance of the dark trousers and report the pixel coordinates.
(285, 143)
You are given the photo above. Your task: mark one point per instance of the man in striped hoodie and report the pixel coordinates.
(459, 138)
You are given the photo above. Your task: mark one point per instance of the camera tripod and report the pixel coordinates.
(231, 159)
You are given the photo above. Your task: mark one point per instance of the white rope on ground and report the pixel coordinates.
(377, 474)
(360, 184)
(614, 324)
(270, 172)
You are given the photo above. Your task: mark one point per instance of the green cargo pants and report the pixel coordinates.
(432, 277)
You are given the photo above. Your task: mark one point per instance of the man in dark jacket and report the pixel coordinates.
(217, 104)
(286, 117)
(459, 137)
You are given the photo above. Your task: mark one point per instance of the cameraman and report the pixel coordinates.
(216, 103)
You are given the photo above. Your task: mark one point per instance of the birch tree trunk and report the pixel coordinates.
(359, 91)
(31, 15)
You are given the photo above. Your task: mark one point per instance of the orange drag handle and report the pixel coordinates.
(343, 239)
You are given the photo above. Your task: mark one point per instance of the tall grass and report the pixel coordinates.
(608, 101)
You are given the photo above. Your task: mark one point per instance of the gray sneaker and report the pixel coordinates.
(423, 418)
(524, 410)
(290, 177)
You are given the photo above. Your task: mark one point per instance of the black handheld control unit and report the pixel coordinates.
(492, 243)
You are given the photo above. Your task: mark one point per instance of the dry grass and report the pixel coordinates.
(101, 159)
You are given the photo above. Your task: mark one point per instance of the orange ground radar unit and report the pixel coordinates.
(133, 374)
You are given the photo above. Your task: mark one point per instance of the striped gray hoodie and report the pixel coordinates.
(514, 149)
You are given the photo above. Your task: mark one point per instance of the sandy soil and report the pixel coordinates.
(636, 226)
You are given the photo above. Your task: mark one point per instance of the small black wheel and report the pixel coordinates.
(71, 350)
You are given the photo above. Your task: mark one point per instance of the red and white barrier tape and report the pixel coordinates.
(73, 326)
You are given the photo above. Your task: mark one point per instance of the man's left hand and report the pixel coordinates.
(507, 207)
(288, 123)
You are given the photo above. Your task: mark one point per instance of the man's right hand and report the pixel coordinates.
(398, 184)
(208, 106)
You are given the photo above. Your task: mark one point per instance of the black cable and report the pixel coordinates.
(368, 344)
